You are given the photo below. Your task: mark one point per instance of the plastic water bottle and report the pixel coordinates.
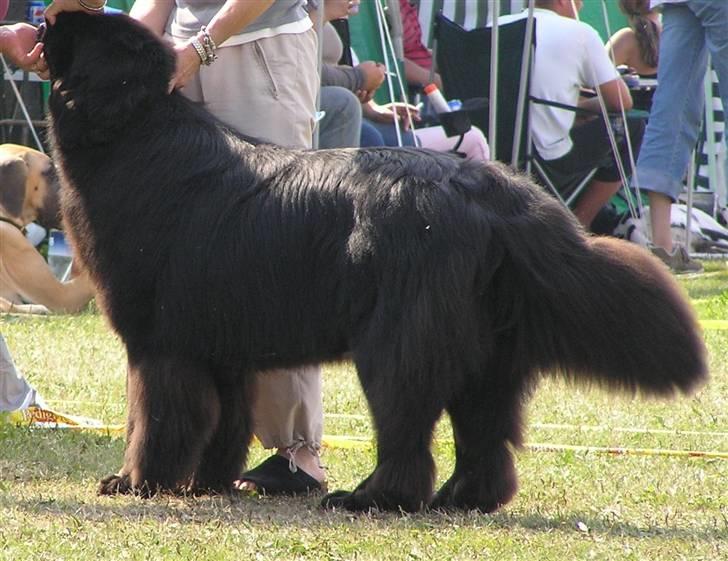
(59, 255)
(437, 100)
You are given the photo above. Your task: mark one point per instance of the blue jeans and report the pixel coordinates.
(690, 31)
(383, 134)
(340, 125)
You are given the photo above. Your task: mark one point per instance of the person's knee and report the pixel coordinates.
(341, 102)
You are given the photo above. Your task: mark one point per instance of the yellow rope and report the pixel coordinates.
(36, 417)
(342, 441)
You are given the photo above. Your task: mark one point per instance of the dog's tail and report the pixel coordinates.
(599, 309)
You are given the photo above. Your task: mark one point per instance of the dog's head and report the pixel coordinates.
(28, 186)
(103, 69)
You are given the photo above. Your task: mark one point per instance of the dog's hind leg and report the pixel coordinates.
(486, 420)
(226, 454)
(173, 411)
(404, 411)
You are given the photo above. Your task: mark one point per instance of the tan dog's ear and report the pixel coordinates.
(13, 175)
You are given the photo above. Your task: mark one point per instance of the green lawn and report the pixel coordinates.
(571, 505)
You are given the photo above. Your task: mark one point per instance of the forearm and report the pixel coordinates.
(345, 76)
(4, 39)
(234, 16)
(152, 13)
(590, 104)
(419, 75)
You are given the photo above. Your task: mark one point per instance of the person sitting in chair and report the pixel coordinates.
(569, 58)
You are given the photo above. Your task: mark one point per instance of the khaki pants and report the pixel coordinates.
(267, 89)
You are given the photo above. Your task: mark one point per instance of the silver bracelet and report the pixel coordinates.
(90, 8)
(209, 45)
(201, 52)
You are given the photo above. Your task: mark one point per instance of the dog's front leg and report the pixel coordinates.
(174, 409)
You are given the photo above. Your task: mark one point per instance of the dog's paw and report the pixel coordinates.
(463, 493)
(115, 485)
(360, 500)
(345, 500)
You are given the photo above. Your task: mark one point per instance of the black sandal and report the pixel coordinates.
(274, 477)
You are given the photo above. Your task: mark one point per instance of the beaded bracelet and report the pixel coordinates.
(91, 8)
(209, 45)
(200, 51)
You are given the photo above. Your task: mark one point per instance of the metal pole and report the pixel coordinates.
(23, 108)
(522, 93)
(691, 187)
(319, 63)
(710, 147)
(493, 94)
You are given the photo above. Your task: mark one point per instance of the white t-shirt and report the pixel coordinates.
(569, 55)
(655, 3)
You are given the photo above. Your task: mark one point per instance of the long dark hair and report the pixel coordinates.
(645, 30)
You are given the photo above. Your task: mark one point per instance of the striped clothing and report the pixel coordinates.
(414, 50)
(467, 13)
(702, 179)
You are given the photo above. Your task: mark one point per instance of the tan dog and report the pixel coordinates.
(28, 187)
(29, 193)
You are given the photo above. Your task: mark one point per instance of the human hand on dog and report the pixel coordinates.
(18, 42)
(188, 64)
(58, 6)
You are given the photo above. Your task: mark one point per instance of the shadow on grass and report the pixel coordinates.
(61, 468)
(264, 513)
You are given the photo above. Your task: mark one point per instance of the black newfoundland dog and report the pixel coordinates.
(451, 285)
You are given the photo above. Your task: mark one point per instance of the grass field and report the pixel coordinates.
(572, 504)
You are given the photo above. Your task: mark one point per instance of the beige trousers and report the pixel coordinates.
(267, 89)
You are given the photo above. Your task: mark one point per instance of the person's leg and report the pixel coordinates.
(370, 135)
(340, 126)
(608, 179)
(267, 89)
(15, 392)
(474, 144)
(288, 415)
(591, 149)
(594, 197)
(677, 107)
(389, 134)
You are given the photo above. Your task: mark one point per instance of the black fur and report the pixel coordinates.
(451, 284)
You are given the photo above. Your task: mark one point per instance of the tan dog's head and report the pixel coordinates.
(28, 186)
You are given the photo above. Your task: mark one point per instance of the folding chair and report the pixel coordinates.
(464, 61)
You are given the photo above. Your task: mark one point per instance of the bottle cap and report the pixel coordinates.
(455, 104)
(429, 88)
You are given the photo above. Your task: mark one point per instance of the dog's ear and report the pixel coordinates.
(13, 173)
